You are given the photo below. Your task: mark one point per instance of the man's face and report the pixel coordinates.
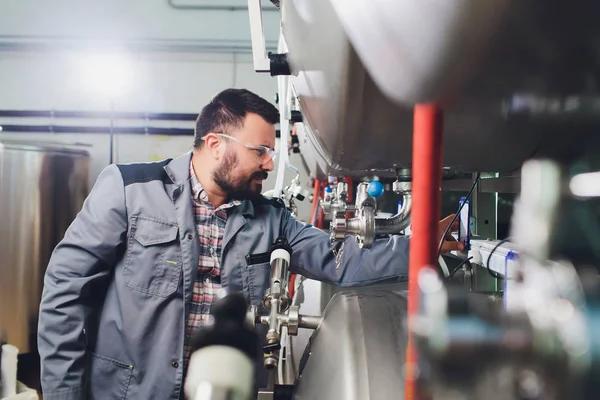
(242, 170)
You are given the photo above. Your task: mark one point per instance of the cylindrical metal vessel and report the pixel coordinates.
(521, 90)
(358, 350)
(42, 188)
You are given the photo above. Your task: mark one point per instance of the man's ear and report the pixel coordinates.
(214, 146)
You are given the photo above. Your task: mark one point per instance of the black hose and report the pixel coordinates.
(463, 262)
(494, 274)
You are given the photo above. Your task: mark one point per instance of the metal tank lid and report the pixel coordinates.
(45, 147)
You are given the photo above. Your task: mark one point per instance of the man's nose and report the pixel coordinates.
(269, 165)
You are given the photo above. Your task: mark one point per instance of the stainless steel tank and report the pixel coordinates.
(42, 188)
(513, 84)
(359, 349)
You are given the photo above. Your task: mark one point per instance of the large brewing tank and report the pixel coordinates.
(42, 188)
(359, 349)
(517, 79)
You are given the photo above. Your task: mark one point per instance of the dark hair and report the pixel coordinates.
(227, 111)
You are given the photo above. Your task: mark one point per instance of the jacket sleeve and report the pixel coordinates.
(82, 260)
(313, 256)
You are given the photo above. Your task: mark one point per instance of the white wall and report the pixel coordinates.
(162, 83)
(126, 20)
(177, 60)
(158, 82)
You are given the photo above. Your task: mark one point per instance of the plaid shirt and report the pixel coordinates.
(210, 224)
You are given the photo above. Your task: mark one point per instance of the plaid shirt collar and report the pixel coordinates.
(200, 194)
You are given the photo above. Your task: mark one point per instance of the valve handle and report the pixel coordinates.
(375, 189)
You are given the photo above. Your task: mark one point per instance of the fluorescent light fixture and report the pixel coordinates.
(108, 74)
(586, 185)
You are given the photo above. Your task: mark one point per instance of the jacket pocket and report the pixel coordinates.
(153, 264)
(258, 258)
(108, 378)
(259, 275)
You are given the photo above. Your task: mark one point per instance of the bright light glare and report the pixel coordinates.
(586, 185)
(107, 74)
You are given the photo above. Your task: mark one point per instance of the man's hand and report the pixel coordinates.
(450, 244)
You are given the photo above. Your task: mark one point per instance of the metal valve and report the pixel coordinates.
(278, 304)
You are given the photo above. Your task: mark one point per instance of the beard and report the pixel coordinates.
(240, 188)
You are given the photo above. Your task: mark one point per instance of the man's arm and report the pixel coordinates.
(348, 265)
(82, 259)
(313, 257)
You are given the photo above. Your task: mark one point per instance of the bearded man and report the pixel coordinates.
(139, 268)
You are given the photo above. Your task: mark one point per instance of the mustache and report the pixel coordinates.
(261, 175)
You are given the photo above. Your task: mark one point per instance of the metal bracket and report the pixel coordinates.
(259, 49)
(485, 210)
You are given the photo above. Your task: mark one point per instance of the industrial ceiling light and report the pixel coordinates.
(108, 74)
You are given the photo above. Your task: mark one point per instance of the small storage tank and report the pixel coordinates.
(42, 188)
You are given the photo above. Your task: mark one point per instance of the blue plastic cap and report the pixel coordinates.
(328, 189)
(375, 189)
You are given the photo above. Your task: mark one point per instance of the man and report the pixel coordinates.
(141, 264)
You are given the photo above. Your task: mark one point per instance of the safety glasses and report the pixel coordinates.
(265, 153)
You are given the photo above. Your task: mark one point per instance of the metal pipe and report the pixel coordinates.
(397, 223)
(99, 115)
(366, 226)
(273, 333)
(315, 204)
(309, 321)
(112, 133)
(291, 166)
(97, 130)
(427, 176)
(177, 45)
(50, 143)
(283, 83)
(361, 194)
(207, 7)
(348, 182)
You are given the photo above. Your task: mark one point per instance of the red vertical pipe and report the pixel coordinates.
(321, 216)
(321, 219)
(291, 285)
(425, 215)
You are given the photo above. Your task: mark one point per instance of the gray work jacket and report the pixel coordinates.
(113, 311)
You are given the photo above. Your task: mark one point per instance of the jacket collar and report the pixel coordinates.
(178, 170)
(246, 208)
